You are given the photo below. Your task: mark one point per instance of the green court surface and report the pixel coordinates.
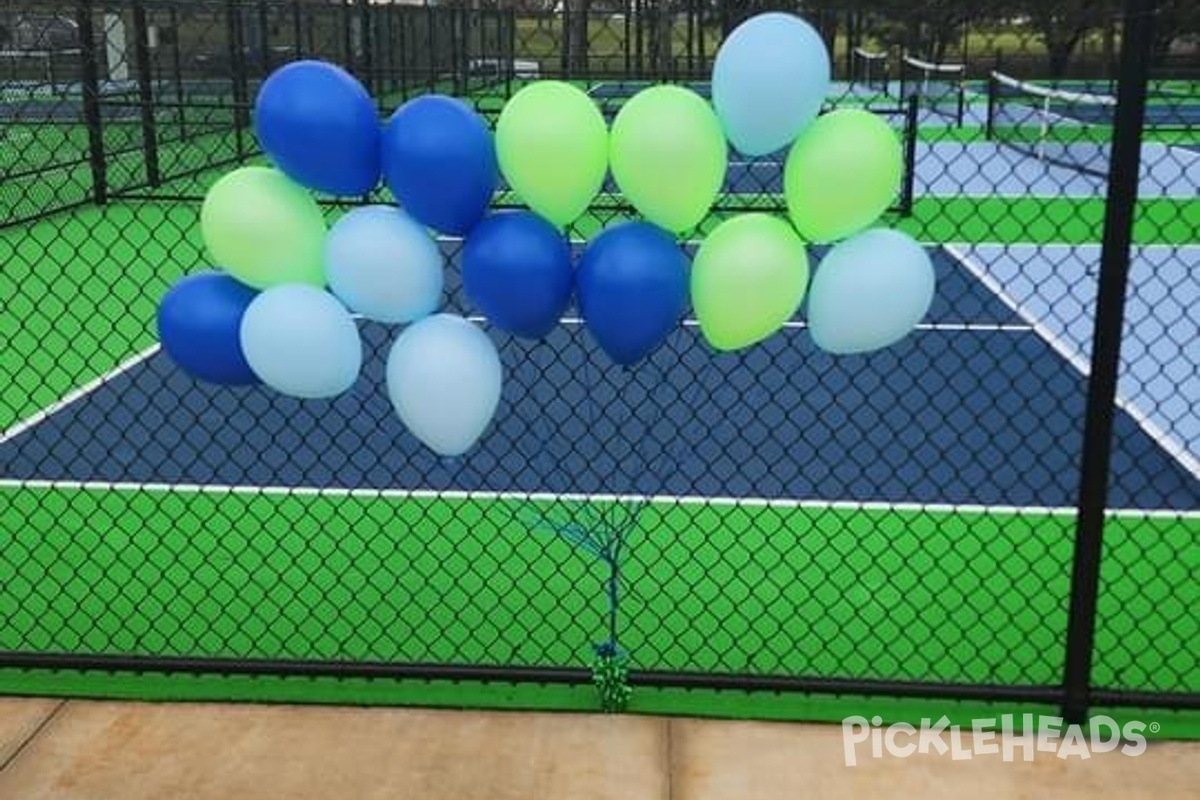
(917, 594)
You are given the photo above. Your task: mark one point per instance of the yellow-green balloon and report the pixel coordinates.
(552, 145)
(748, 278)
(842, 173)
(668, 156)
(264, 229)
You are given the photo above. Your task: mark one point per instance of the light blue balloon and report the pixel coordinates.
(384, 265)
(443, 378)
(770, 78)
(869, 292)
(301, 342)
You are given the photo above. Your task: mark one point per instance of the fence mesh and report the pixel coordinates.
(908, 516)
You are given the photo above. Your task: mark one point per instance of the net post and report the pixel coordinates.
(1106, 351)
(141, 56)
(911, 119)
(89, 78)
(962, 96)
(990, 123)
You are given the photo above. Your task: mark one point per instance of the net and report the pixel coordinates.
(940, 87)
(1070, 129)
(870, 70)
(37, 73)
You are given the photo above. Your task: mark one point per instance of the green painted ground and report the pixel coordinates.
(931, 595)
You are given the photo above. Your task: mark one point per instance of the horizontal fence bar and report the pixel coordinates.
(1141, 699)
(840, 686)
(287, 668)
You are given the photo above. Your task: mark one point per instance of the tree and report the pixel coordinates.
(1063, 24)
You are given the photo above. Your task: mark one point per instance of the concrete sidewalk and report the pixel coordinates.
(55, 750)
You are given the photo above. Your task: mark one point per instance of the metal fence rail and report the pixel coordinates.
(1004, 507)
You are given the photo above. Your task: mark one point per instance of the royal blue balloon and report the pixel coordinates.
(319, 126)
(633, 287)
(199, 323)
(516, 269)
(439, 162)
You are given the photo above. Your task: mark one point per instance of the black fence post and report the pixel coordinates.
(431, 32)
(89, 78)
(141, 56)
(264, 38)
(510, 69)
(297, 29)
(403, 50)
(1106, 350)
(177, 68)
(237, 65)
(912, 118)
(366, 63)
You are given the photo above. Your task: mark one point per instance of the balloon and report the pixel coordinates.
(301, 342)
(669, 156)
(632, 283)
(841, 174)
(552, 143)
(748, 279)
(869, 292)
(439, 162)
(263, 228)
(770, 78)
(318, 125)
(198, 324)
(384, 265)
(516, 268)
(443, 378)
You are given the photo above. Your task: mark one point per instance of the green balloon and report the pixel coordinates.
(748, 278)
(552, 145)
(842, 174)
(669, 156)
(264, 229)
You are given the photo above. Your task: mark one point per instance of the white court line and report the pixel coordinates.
(801, 325)
(1161, 437)
(547, 497)
(67, 399)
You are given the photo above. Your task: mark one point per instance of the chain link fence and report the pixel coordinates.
(915, 522)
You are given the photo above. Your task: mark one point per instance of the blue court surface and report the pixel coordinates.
(988, 169)
(982, 405)
(1054, 288)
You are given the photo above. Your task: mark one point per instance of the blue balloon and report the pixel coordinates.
(439, 162)
(516, 269)
(319, 126)
(302, 342)
(198, 324)
(869, 292)
(770, 78)
(633, 287)
(383, 265)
